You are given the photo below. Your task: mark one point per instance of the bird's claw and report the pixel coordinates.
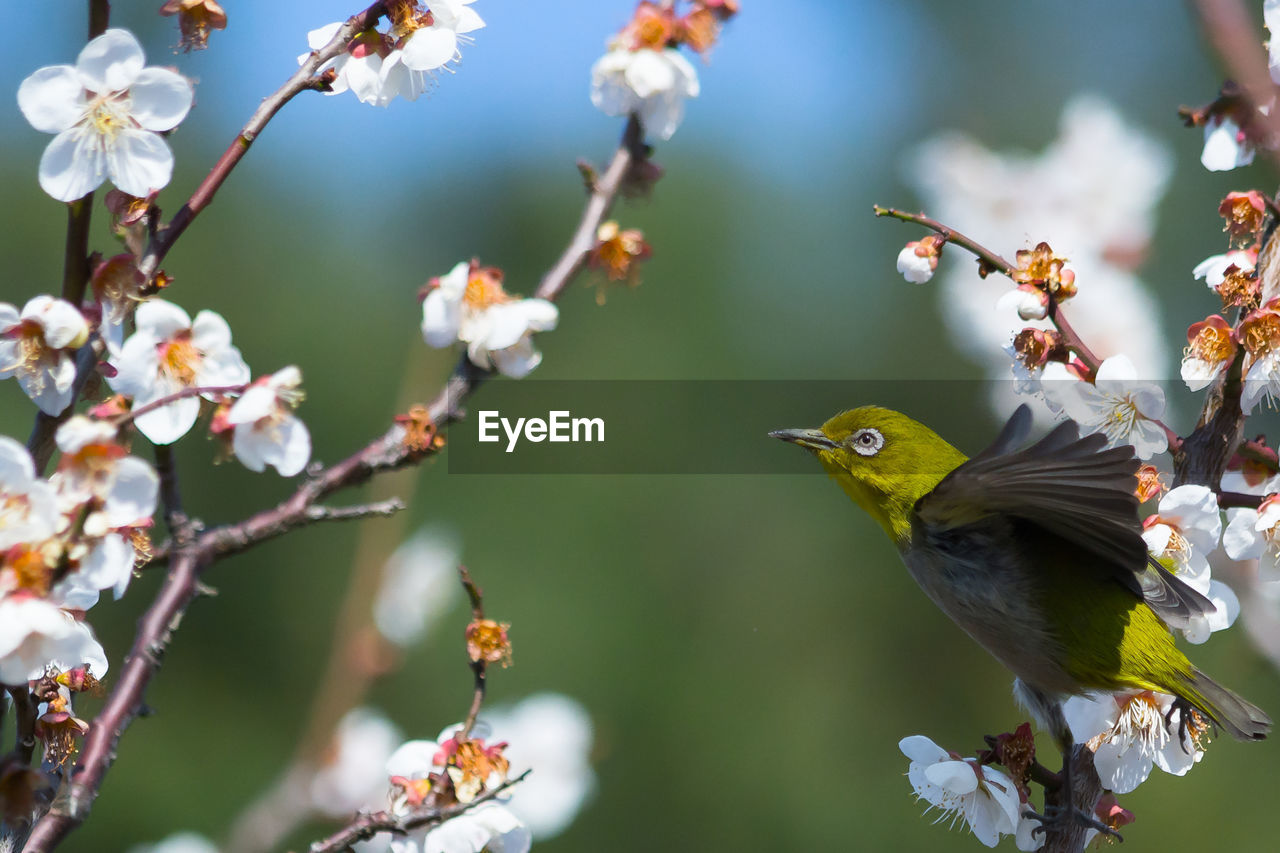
(1056, 816)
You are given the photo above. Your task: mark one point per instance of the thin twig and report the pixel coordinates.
(304, 79)
(134, 414)
(170, 494)
(75, 261)
(478, 666)
(367, 826)
(604, 192)
(376, 509)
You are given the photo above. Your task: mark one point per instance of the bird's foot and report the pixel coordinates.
(1058, 817)
(1191, 723)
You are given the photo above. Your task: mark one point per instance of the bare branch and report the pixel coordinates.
(377, 509)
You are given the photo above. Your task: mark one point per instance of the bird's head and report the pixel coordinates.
(883, 459)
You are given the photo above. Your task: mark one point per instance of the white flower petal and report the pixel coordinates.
(133, 492)
(52, 98)
(140, 161)
(430, 48)
(169, 423)
(111, 62)
(72, 166)
(1241, 540)
(160, 99)
(441, 318)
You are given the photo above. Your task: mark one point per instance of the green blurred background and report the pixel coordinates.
(749, 647)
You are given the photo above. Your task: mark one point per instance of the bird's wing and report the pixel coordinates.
(1073, 487)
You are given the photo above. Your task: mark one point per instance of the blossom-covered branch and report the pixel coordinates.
(367, 826)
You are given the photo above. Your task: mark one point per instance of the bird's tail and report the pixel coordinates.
(1244, 720)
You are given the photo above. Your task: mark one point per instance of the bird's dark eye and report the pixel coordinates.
(866, 442)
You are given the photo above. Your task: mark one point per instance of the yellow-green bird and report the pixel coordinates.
(1036, 552)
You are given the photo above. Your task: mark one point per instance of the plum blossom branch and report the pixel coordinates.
(24, 739)
(604, 191)
(1229, 27)
(478, 663)
(192, 391)
(989, 261)
(407, 442)
(367, 826)
(75, 263)
(303, 79)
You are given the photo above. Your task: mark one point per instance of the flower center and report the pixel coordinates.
(652, 32)
(1140, 722)
(108, 116)
(30, 570)
(32, 352)
(484, 291)
(1261, 334)
(1212, 345)
(179, 358)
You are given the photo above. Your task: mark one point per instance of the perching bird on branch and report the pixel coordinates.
(1037, 553)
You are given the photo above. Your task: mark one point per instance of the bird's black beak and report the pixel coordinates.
(809, 439)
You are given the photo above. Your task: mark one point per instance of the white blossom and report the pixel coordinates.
(1132, 734)
(265, 430)
(37, 345)
(1185, 530)
(982, 797)
(107, 111)
(1225, 146)
(1116, 404)
(169, 353)
(434, 46)
(1254, 534)
(353, 775)
(469, 305)
(550, 734)
(35, 635)
(1213, 269)
(94, 467)
(1029, 303)
(419, 585)
(916, 268)
(28, 504)
(651, 83)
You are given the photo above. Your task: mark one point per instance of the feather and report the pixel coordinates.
(1071, 487)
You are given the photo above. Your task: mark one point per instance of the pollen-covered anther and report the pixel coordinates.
(179, 357)
(473, 765)
(1041, 267)
(487, 641)
(1151, 483)
(484, 287)
(1245, 214)
(407, 16)
(1259, 332)
(59, 729)
(1141, 721)
(1239, 288)
(26, 568)
(420, 434)
(411, 792)
(653, 27)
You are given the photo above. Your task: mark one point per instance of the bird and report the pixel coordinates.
(1036, 552)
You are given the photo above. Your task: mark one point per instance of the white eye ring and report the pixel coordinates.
(866, 442)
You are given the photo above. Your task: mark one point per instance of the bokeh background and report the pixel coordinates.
(749, 647)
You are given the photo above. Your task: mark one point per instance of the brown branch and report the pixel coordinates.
(1230, 500)
(304, 79)
(478, 666)
(193, 391)
(170, 495)
(122, 705)
(99, 15)
(367, 826)
(75, 261)
(375, 509)
(604, 191)
(24, 713)
(1229, 27)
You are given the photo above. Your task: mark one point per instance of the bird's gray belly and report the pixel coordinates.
(994, 602)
